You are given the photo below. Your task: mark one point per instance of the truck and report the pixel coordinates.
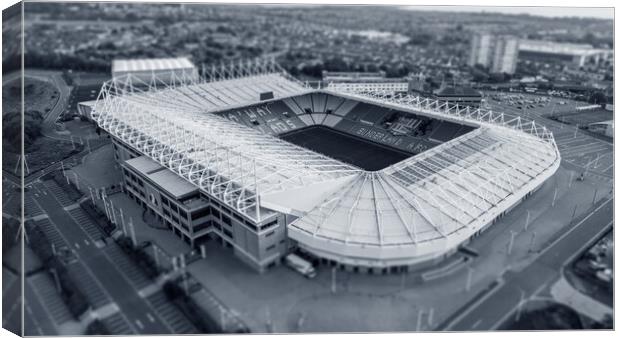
(300, 265)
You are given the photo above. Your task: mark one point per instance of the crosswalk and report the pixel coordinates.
(96, 297)
(46, 292)
(130, 269)
(89, 226)
(171, 314)
(31, 208)
(51, 233)
(117, 325)
(58, 192)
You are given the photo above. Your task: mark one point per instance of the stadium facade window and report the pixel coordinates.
(269, 225)
(201, 213)
(202, 226)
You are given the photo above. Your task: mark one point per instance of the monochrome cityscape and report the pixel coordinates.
(175, 168)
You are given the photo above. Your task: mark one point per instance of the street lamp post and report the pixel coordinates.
(431, 312)
(419, 323)
(527, 220)
(512, 240)
(470, 273)
(521, 300)
(133, 232)
(594, 198)
(334, 279)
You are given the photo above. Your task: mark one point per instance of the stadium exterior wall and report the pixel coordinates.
(258, 245)
(413, 256)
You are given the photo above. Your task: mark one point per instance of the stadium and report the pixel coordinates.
(370, 181)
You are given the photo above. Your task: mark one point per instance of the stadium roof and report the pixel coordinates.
(141, 65)
(439, 196)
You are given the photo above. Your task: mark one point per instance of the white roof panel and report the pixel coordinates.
(140, 65)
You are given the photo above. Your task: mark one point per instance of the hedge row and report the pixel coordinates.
(70, 189)
(97, 328)
(142, 259)
(100, 219)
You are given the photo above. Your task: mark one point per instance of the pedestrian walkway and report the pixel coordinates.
(564, 293)
(171, 314)
(46, 292)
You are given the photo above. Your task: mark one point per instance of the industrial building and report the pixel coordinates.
(571, 54)
(251, 157)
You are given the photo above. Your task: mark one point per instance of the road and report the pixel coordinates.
(138, 311)
(494, 308)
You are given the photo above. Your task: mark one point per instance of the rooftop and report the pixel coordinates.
(172, 183)
(138, 65)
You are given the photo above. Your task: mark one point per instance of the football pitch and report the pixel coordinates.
(351, 149)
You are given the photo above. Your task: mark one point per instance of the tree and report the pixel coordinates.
(597, 97)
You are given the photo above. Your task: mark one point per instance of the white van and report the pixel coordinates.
(300, 265)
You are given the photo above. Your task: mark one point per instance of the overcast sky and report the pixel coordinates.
(602, 13)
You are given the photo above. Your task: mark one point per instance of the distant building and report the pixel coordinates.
(605, 128)
(353, 76)
(505, 54)
(463, 96)
(419, 85)
(498, 53)
(480, 53)
(396, 86)
(365, 82)
(571, 54)
(166, 70)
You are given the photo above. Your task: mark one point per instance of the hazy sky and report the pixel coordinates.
(602, 13)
